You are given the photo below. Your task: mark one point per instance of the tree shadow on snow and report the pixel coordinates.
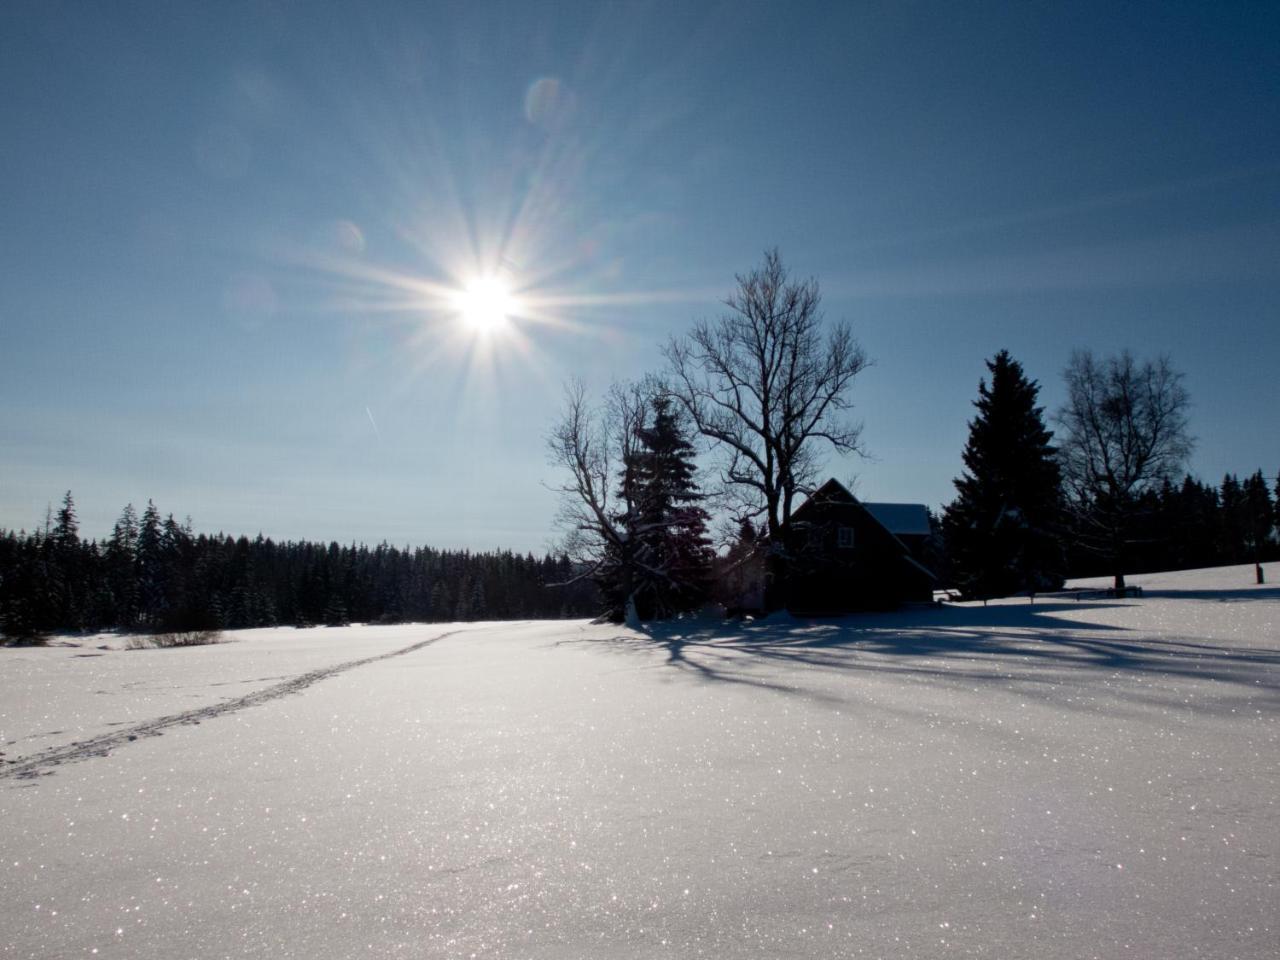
(1260, 592)
(1033, 647)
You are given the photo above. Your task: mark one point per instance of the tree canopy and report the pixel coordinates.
(1003, 529)
(1124, 432)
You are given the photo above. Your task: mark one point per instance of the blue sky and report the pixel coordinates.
(224, 224)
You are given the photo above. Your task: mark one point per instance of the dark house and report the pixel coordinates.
(845, 555)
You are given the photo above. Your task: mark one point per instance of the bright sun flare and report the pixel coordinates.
(485, 304)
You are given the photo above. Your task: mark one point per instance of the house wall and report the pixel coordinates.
(826, 578)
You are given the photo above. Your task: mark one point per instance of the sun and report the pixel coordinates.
(485, 305)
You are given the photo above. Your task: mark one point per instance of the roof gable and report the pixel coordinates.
(833, 491)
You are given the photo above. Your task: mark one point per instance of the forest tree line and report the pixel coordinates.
(1099, 496)
(154, 574)
(1190, 524)
(1182, 525)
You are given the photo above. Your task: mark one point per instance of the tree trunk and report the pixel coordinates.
(629, 617)
(776, 581)
(1118, 558)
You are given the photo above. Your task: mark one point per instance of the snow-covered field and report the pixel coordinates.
(1052, 780)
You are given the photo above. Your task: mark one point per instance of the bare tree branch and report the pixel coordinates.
(766, 384)
(1124, 430)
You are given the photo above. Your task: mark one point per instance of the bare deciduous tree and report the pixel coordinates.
(1124, 431)
(597, 448)
(766, 384)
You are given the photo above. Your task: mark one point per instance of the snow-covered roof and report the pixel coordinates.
(901, 519)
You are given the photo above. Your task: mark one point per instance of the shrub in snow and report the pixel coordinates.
(181, 638)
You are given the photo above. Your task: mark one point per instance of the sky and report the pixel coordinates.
(231, 232)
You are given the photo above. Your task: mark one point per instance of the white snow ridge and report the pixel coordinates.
(1063, 779)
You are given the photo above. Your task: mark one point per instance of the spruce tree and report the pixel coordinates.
(23, 617)
(121, 558)
(66, 530)
(1260, 516)
(1197, 525)
(1002, 530)
(1232, 520)
(150, 567)
(669, 523)
(65, 557)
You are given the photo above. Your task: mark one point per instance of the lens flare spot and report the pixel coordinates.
(548, 103)
(347, 237)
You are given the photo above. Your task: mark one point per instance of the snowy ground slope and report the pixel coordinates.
(1179, 583)
(82, 687)
(1063, 779)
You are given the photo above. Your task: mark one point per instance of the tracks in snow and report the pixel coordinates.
(37, 763)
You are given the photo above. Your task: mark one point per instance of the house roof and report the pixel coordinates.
(832, 490)
(905, 519)
(901, 519)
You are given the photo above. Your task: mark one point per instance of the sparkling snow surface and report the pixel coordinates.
(1059, 780)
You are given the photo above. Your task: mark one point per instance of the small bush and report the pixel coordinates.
(23, 640)
(18, 628)
(179, 638)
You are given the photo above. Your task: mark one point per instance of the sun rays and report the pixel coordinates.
(484, 257)
(483, 320)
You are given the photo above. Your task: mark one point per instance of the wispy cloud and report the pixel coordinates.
(1097, 203)
(1233, 253)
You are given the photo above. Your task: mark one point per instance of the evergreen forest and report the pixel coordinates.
(154, 574)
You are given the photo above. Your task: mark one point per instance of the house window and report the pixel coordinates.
(844, 538)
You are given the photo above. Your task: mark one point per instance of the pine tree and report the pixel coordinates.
(1233, 520)
(1278, 499)
(66, 530)
(479, 604)
(23, 594)
(1260, 516)
(335, 612)
(121, 558)
(462, 608)
(150, 568)
(669, 523)
(1195, 534)
(1002, 530)
(441, 606)
(65, 558)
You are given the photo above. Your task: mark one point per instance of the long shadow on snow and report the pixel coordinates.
(1261, 592)
(1028, 645)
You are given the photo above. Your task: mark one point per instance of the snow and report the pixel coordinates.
(1209, 579)
(77, 689)
(1058, 779)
